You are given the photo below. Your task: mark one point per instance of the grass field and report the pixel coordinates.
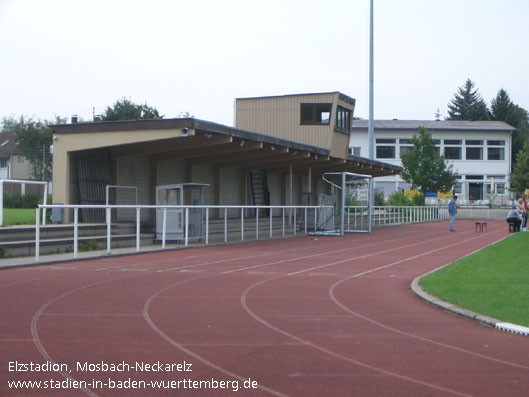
(15, 216)
(493, 281)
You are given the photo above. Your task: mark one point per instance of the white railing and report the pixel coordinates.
(296, 216)
(356, 216)
(288, 214)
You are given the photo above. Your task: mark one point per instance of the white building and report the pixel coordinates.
(479, 152)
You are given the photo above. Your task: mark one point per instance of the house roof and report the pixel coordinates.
(343, 97)
(436, 125)
(233, 146)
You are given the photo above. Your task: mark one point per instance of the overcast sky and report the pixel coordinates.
(67, 57)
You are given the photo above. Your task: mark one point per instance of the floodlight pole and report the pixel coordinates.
(371, 126)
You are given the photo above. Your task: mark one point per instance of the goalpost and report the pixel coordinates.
(22, 183)
(122, 195)
(351, 208)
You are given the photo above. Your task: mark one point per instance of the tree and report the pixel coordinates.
(124, 109)
(424, 169)
(467, 104)
(503, 109)
(519, 178)
(33, 140)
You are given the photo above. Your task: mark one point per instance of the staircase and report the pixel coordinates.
(259, 187)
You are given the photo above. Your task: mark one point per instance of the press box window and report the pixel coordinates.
(316, 113)
(343, 119)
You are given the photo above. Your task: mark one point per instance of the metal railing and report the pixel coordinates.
(289, 214)
(356, 217)
(291, 217)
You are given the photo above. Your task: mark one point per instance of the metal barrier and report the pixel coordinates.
(356, 216)
(292, 218)
(381, 216)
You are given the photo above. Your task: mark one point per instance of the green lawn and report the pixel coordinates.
(493, 281)
(15, 216)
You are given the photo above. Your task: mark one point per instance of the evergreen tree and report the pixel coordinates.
(124, 109)
(503, 109)
(424, 169)
(519, 178)
(467, 104)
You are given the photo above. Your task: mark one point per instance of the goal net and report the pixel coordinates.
(350, 211)
(122, 195)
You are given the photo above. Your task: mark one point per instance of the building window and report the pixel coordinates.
(496, 153)
(343, 119)
(316, 113)
(457, 188)
(385, 152)
(452, 141)
(386, 148)
(355, 151)
(404, 149)
(474, 177)
(452, 153)
(496, 143)
(473, 142)
(3, 163)
(500, 188)
(474, 153)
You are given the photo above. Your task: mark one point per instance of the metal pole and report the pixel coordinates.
(186, 238)
(283, 215)
(242, 224)
(75, 231)
(37, 234)
(108, 229)
(342, 209)
(371, 126)
(164, 224)
(225, 225)
(44, 201)
(207, 226)
(137, 229)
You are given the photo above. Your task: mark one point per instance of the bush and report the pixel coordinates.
(379, 199)
(399, 199)
(29, 200)
(418, 200)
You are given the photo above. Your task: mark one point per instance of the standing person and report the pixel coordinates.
(526, 208)
(452, 211)
(521, 211)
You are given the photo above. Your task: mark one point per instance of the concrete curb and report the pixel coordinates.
(451, 308)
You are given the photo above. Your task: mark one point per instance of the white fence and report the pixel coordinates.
(304, 217)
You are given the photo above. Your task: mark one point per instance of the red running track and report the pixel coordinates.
(310, 316)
